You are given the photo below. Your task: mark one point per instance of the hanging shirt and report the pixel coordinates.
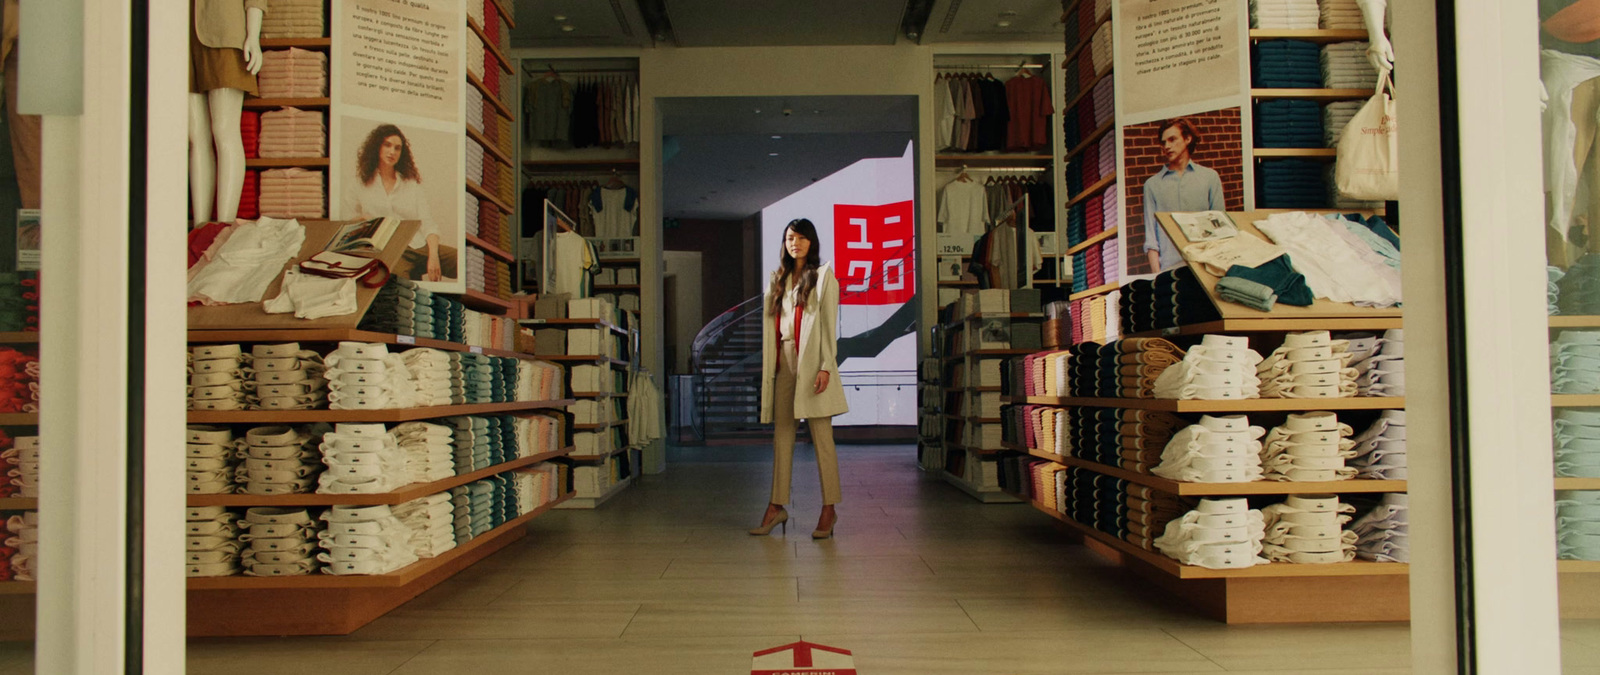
(963, 208)
(1029, 102)
(615, 211)
(575, 263)
(944, 112)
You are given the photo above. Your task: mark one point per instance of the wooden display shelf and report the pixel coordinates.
(286, 162)
(500, 106)
(506, 16)
(485, 302)
(586, 358)
(630, 164)
(1186, 489)
(1088, 39)
(1578, 483)
(396, 415)
(596, 458)
(1097, 290)
(19, 588)
(401, 496)
(19, 504)
(595, 502)
(1315, 153)
(398, 578)
(602, 426)
(1563, 321)
(19, 419)
(1248, 405)
(1584, 566)
(1085, 90)
(492, 47)
(980, 389)
(1314, 94)
(298, 43)
(985, 496)
(1091, 241)
(975, 451)
(989, 352)
(275, 103)
(1273, 326)
(489, 147)
(975, 420)
(598, 394)
(1317, 35)
(1092, 190)
(618, 261)
(616, 287)
(478, 191)
(575, 322)
(982, 161)
(1574, 400)
(343, 335)
(489, 248)
(19, 338)
(1092, 139)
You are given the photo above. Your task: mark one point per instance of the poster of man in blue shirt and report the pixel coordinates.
(1180, 185)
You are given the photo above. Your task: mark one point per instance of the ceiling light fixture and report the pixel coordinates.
(772, 154)
(777, 138)
(560, 17)
(1002, 24)
(567, 28)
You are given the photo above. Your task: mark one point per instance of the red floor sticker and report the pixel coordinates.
(803, 658)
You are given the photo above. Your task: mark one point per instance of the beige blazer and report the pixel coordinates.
(819, 350)
(220, 24)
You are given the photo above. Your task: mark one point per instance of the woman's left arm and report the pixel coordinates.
(828, 325)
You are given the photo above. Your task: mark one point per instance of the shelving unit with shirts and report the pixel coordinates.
(491, 128)
(17, 601)
(1091, 239)
(286, 131)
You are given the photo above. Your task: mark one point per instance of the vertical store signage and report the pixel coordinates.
(873, 253)
(396, 141)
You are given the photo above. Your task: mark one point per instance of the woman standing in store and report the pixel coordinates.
(800, 371)
(389, 184)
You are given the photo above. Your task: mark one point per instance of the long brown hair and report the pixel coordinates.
(367, 159)
(808, 278)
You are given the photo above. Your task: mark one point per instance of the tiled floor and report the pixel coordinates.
(919, 579)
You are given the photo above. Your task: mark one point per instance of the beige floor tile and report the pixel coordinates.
(854, 617)
(637, 568)
(1076, 612)
(267, 656)
(898, 566)
(1314, 647)
(753, 549)
(502, 622)
(677, 656)
(798, 533)
(754, 592)
(1101, 651)
(1044, 585)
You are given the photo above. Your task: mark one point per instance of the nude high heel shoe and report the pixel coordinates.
(821, 533)
(766, 527)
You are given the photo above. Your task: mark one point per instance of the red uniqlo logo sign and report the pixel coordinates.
(873, 253)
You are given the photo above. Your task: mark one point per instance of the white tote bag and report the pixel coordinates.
(1369, 149)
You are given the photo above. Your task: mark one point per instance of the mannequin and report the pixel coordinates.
(25, 129)
(225, 56)
(1379, 51)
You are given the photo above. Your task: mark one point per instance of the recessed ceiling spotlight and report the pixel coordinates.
(758, 111)
(567, 28)
(772, 154)
(560, 17)
(776, 138)
(816, 112)
(1003, 24)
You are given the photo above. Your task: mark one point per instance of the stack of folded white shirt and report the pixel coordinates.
(536, 485)
(24, 453)
(1334, 116)
(1383, 534)
(477, 270)
(280, 542)
(365, 376)
(208, 459)
(545, 379)
(1308, 447)
(362, 459)
(430, 451)
(1100, 49)
(473, 205)
(212, 549)
(1345, 66)
(475, 55)
(1308, 529)
(1217, 534)
(1384, 372)
(538, 433)
(475, 163)
(1216, 450)
(293, 133)
(1575, 362)
(474, 114)
(431, 371)
(1577, 443)
(1296, 14)
(432, 523)
(24, 530)
(1342, 15)
(279, 460)
(1219, 368)
(591, 411)
(365, 540)
(1308, 365)
(1380, 451)
(476, 9)
(288, 378)
(219, 378)
(293, 19)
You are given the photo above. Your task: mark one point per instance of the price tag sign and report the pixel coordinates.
(956, 244)
(475, 349)
(405, 339)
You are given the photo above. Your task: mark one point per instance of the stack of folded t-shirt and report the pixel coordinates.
(476, 54)
(19, 381)
(1121, 369)
(1296, 14)
(475, 159)
(362, 459)
(1173, 298)
(292, 193)
(1579, 287)
(279, 542)
(1334, 116)
(10, 557)
(250, 132)
(293, 19)
(474, 445)
(1291, 184)
(477, 270)
(288, 378)
(537, 485)
(1219, 368)
(24, 458)
(212, 547)
(280, 460)
(1286, 64)
(432, 523)
(1380, 451)
(1215, 450)
(209, 455)
(293, 73)
(1217, 534)
(1288, 123)
(1383, 534)
(1309, 447)
(220, 378)
(19, 301)
(1308, 530)
(429, 450)
(1342, 15)
(431, 373)
(365, 376)
(1148, 512)
(461, 513)
(250, 197)
(1383, 372)
(1577, 443)
(364, 540)
(1308, 365)
(1345, 66)
(293, 133)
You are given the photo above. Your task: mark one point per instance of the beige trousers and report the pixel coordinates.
(784, 425)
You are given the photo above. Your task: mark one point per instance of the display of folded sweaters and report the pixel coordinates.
(293, 73)
(293, 133)
(293, 19)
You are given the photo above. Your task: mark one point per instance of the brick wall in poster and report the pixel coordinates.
(1222, 150)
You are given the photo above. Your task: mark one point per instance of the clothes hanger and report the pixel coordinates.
(615, 182)
(963, 177)
(1023, 70)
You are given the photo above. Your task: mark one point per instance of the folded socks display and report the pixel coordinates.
(364, 540)
(1308, 365)
(212, 548)
(1219, 368)
(1309, 447)
(287, 378)
(1383, 533)
(1308, 530)
(1217, 534)
(279, 542)
(1380, 451)
(1216, 450)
